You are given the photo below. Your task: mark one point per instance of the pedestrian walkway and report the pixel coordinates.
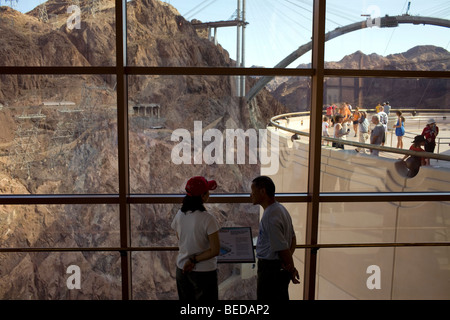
(414, 126)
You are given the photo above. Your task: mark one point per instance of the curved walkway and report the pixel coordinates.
(298, 123)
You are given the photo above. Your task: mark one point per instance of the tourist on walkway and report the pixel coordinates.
(430, 133)
(339, 131)
(383, 119)
(399, 129)
(355, 120)
(325, 126)
(363, 125)
(387, 108)
(377, 134)
(413, 163)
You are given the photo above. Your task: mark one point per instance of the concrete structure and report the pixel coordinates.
(420, 272)
(148, 110)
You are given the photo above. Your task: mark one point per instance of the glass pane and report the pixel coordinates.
(150, 223)
(42, 226)
(198, 33)
(60, 276)
(59, 134)
(181, 126)
(387, 35)
(150, 227)
(402, 273)
(58, 33)
(154, 278)
(381, 222)
(418, 103)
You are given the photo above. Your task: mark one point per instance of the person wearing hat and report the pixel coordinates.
(198, 240)
(275, 245)
(430, 133)
(413, 163)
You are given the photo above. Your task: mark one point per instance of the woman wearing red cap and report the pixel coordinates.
(198, 241)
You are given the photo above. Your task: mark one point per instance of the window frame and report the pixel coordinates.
(313, 197)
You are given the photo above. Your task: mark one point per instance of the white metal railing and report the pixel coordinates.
(274, 121)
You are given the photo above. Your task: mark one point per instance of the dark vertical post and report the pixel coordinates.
(312, 220)
(122, 130)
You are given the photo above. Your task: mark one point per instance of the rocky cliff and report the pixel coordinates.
(367, 93)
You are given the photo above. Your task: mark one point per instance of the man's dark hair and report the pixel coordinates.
(263, 182)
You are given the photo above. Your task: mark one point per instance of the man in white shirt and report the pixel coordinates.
(276, 244)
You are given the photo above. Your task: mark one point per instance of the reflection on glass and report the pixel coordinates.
(40, 226)
(181, 126)
(154, 278)
(384, 222)
(154, 272)
(59, 134)
(387, 35)
(227, 34)
(400, 273)
(150, 224)
(421, 110)
(150, 227)
(60, 276)
(58, 33)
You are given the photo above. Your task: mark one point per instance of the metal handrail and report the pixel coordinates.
(273, 121)
(439, 143)
(175, 248)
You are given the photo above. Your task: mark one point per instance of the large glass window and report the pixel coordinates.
(384, 222)
(388, 273)
(250, 33)
(60, 276)
(104, 118)
(59, 133)
(387, 35)
(189, 125)
(58, 33)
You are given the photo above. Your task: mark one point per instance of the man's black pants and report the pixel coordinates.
(273, 281)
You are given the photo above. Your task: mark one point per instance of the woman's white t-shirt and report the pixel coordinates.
(193, 229)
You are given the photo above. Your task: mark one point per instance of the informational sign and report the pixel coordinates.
(236, 245)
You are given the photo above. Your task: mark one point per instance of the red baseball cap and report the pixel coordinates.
(197, 186)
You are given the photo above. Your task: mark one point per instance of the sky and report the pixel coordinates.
(278, 27)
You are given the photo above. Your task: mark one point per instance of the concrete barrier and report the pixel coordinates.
(405, 272)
